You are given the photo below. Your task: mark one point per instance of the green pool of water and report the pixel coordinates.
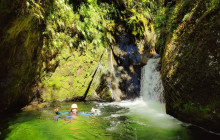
(127, 120)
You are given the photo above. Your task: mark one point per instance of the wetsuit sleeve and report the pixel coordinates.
(85, 114)
(58, 113)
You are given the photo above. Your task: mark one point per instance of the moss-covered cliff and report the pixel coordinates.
(50, 49)
(78, 40)
(20, 48)
(190, 65)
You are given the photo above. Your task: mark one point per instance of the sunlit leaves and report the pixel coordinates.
(138, 23)
(35, 9)
(60, 26)
(95, 22)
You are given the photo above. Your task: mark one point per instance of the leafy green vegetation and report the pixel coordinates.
(74, 40)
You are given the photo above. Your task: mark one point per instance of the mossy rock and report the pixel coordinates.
(190, 67)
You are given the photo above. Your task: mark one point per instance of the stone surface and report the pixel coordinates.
(191, 67)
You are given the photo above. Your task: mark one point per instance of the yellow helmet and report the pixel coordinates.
(74, 106)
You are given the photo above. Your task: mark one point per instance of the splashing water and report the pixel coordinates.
(150, 108)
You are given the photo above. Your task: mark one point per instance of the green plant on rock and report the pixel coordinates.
(60, 25)
(160, 20)
(95, 25)
(35, 9)
(138, 17)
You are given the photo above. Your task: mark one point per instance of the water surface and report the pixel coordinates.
(126, 120)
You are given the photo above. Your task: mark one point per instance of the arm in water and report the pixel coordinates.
(58, 113)
(85, 114)
(80, 113)
(93, 111)
(73, 111)
(57, 117)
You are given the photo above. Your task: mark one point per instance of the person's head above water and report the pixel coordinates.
(73, 111)
(56, 110)
(74, 108)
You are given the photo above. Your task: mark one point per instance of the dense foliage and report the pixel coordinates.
(74, 38)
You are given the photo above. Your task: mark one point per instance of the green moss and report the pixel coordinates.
(106, 95)
(72, 76)
(193, 110)
(189, 66)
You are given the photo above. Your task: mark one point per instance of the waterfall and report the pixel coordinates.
(151, 84)
(110, 68)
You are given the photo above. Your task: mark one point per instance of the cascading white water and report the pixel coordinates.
(148, 110)
(111, 68)
(113, 79)
(151, 84)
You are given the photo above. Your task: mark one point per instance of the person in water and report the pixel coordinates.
(73, 112)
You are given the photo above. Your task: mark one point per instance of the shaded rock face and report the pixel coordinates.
(191, 67)
(127, 66)
(20, 65)
(102, 92)
(16, 70)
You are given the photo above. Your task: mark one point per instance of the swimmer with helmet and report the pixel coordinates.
(73, 112)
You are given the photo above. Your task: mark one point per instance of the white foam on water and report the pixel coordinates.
(149, 107)
(150, 113)
(96, 112)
